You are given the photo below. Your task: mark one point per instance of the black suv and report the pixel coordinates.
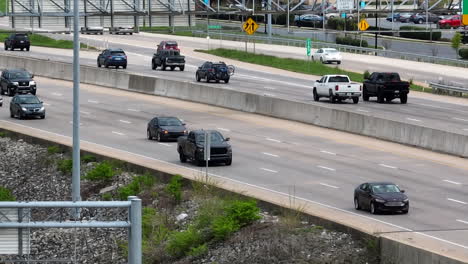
(17, 81)
(213, 71)
(17, 41)
(26, 105)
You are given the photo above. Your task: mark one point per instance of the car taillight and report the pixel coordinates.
(110, 57)
(337, 88)
(211, 70)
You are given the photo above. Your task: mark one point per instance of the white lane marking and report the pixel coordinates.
(223, 129)
(118, 133)
(270, 80)
(387, 166)
(440, 107)
(125, 121)
(133, 110)
(328, 185)
(327, 152)
(456, 201)
(461, 221)
(272, 171)
(274, 140)
(413, 119)
(269, 154)
(326, 168)
(362, 110)
(93, 101)
(269, 88)
(269, 94)
(46, 104)
(459, 119)
(57, 94)
(254, 186)
(164, 144)
(465, 129)
(457, 183)
(84, 112)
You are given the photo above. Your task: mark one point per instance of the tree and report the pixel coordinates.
(456, 42)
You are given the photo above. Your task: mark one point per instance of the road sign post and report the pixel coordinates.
(249, 26)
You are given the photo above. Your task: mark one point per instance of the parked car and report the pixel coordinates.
(1, 101)
(191, 147)
(337, 15)
(450, 22)
(15, 81)
(26, 105)
(168, 58)
(17, 41)
(112, 57)
(380, 197)
(396, 17)
(327, 55)
(336, 88)
(92, 30)
(420, 18)
(385, 86)
(404, 17)
(122, 30)
(308, 20)
(165, 45)
(165, 128)
(213, 71)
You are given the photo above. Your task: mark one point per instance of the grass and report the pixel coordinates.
(3, 6)
(44, 41)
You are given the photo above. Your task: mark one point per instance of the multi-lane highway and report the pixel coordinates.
(319, 164)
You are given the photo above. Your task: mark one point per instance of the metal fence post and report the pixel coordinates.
(135, 235)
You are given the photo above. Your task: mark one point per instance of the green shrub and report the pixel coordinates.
(223, 227)
(88, 158)
(338, 23)
(419, 35)
(3, 134)
(174, 188)
(463, 53)
(6, 195)
(366, 74)
(198, 251)
(65, 166)
(181, 243)
(155, 232)
(104, 171)
(53, 149)
(243, 212)
(106, 197)
(351, 41)
(135, 186)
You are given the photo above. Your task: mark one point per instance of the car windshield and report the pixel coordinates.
(29, 100)
(169, 122)
(331, 51)
(117, 53)
(171, 45)
(385, 188)
(391, 78)
(21, 37)
(19, 75)
(339, 79)
(215, 137)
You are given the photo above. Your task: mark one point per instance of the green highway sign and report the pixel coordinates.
(214, 26)
(308, 44)
(465, 13)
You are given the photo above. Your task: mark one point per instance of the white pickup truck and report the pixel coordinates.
(337, 88)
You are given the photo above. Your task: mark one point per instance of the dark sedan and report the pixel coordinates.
(380, 197)
(308, 21)
(404, 17)
(26, 105)
(165, 128)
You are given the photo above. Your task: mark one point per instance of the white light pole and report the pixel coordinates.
(76, 196)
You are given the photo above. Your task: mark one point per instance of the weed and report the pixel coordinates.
(174, 188)
(243, 212)
(155, 232)
(3, 134)
(366, 75)
(6, 195)
(53, 149)
(208, 211)
(223, 227)
(198, 251)
(104, 171)
(65, 166)
(181, 243)
(106, 196)
(136, 186)
(123, 247)
(88, 158)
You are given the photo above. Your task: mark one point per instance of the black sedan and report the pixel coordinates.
(380, 197)
(26, 105)
(165, 128)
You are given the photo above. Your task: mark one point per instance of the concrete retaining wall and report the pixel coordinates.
(320, 115)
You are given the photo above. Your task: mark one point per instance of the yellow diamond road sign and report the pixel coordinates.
(250, 26)
(363, 25)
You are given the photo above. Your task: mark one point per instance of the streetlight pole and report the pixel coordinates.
(76, 196)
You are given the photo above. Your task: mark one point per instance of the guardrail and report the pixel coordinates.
(438, 88)
(343, 48)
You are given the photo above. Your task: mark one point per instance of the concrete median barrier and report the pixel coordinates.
(321, 115)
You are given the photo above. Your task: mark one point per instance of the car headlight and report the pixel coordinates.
(24, 109)
(32, 82)
(406, 200)
(165, 131)
(42, 109)
(380, 200)
(185, 132)
(15, 83)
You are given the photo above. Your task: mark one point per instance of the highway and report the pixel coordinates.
(438, 113)
(306, 161)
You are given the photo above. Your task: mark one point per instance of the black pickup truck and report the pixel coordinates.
(385, 86)
(168, 58)
(191, 147)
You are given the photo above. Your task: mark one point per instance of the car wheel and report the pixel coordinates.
(365, 95)
(43, 116)
(163, 67)
(153, 65)
(9, 92)
(199, 162)
(228, 162)
(172, 68)
(197, 77)
(33, 92)
(380, 98)
(355, 100)
(125, 66)
(332, 99)
(106, 65)
(182, 157)
(316, 97)
(148, 134)
(217, 81)
(99, 64)
(357, 206)
(404, 98)
(158, 137)
(420, 21)
(182, 68)
(6, 47)
(405, 211)
(226, 80)
(207, 79)
(373, 210)
(338, 62)
(321, 60)
(28, 48)
(11, 114)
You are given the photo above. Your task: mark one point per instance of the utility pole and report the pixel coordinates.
(76, 195)
(287, 17)
(269, 18)
(376, 22)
